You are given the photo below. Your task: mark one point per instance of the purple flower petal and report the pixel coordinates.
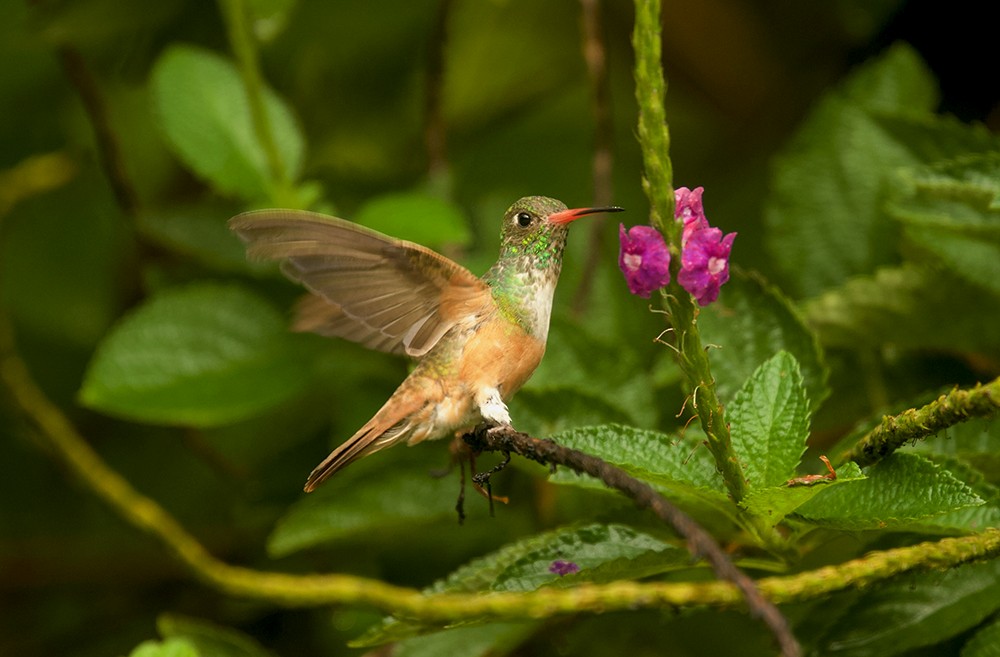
(689, 209)
(562, 568)
(705, 264)
(644, 259)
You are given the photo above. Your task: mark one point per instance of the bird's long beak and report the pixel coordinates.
(566, 216)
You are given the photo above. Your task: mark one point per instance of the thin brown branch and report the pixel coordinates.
(700, 543)
(112, 162)
(435, 133)
(108, 149)
(595, 56)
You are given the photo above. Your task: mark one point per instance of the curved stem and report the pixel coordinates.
(314, 590)
(241, 40)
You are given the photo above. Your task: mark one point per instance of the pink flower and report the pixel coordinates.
(644, 259)
(705, 264)
(688, 208)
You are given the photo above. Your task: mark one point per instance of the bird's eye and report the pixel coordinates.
(523, 219)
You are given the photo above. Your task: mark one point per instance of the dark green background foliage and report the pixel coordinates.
(851, 144)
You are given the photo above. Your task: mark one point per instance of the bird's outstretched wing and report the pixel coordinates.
(383, 293)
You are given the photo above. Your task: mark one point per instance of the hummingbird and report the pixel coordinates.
(476, 340)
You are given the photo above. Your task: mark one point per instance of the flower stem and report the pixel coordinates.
(693, 360)
(654, 138)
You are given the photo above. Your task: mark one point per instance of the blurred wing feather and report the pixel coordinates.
(383, 293)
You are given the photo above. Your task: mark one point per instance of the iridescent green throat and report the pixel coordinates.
(524, 278)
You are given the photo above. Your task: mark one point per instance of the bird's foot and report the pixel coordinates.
(492, 407)
(503, 499)
(481, 482)
(460, 453)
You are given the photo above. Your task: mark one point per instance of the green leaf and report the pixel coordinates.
(952, 210)
(170, 648)
(902, 307)
(769, 420)
(648, 455)
(201, 355)
(824, 211)
(209, 639)
(975, 259)
(970, 518)
(915, 610)
(352, 506)
(492, 640)
(897, 80)
(897, 491)
(985, 642)
(751, 322)
(604, 553)
(548, 411)
(205, 115)
(418, 217)
(964, 193)
(774, 503)
(975, 441)
(681, 469)
(932, 138)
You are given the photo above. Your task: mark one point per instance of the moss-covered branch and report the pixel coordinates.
(311, 590)
(947, 410)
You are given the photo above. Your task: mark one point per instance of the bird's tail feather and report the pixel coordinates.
(370, 438)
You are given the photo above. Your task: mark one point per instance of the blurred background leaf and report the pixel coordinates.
(836, 167)
(199, 356)
(417, 217)
(205, 115)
